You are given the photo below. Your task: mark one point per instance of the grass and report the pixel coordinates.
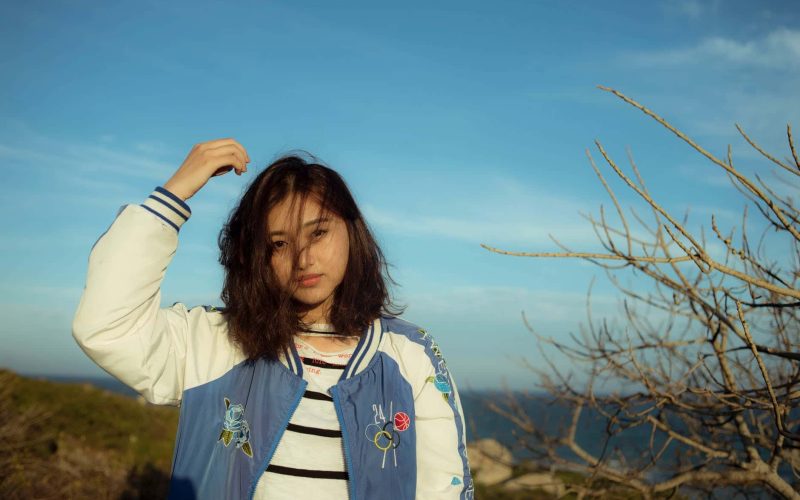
(65, 440)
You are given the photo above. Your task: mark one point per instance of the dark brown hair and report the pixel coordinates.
(262, 317)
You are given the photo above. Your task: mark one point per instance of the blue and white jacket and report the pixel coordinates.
(398, 407)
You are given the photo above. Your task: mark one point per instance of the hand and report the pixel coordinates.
(206, 160)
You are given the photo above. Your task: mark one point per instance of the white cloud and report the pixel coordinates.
(519, 218)
(493, 303)
(468, 229)
(763, 118)
(85, 159)
(702, 214)
(102, 172)
(778, 50)
(720, 81)
(690, 8)
(151, 147)
(95, 158)
(693, 9)
(711, 175)
(505, 212)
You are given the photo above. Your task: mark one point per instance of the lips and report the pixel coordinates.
(309, 279)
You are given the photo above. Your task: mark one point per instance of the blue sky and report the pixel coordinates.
(455, 123)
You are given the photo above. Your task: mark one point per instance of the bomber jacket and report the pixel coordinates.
(398, 407)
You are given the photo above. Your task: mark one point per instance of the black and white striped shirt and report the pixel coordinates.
(309, 460)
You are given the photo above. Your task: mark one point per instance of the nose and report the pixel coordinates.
(306, 257)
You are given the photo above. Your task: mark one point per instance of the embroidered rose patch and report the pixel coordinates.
(235, 428)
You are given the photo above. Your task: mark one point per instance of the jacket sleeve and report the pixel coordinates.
(118, 322)
(442, 465)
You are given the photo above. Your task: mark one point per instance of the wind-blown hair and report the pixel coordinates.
(262, 317)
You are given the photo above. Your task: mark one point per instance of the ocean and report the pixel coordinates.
(481, 421)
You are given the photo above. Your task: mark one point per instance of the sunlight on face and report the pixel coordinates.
(321, 246)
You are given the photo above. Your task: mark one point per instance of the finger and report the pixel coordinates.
(233, 161)
(225, 169)
(223, 156)
(227, 149)
(220, 143)
(222, 170)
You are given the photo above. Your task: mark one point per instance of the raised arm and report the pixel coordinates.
(119, 322)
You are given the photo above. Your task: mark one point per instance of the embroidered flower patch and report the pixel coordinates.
(235, 428)
(442, 385)
(441, 379)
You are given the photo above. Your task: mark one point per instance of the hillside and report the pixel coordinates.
(76, 441)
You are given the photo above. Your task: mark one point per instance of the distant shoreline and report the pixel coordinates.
(111, 384)
(107, 383)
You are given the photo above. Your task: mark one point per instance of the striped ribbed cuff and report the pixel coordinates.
(173, 210)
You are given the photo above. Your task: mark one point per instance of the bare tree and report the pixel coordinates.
(705, 363)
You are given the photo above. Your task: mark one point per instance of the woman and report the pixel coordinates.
(266, 409)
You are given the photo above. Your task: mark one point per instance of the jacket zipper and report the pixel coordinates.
(176, 449)
(277, 440)
(345, 440)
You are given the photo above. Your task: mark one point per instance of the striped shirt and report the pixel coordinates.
(309, 460)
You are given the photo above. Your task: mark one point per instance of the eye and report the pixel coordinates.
(319, 233)
(279, 244)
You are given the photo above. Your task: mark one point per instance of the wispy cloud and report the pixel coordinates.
(693, 9)
(763, 117)
(710, 175)
(507, 212)
(704, 212)
(777, 50)
(750, 81)
(151, 147)
(488, 230)
(88, 161)
(85, 158)
(99, 172)
(542, 307)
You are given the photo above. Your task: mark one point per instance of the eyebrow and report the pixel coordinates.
(305, 224)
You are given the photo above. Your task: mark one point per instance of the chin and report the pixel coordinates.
(311, 298)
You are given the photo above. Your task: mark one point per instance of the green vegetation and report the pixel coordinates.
(77, 441)
(64, 440)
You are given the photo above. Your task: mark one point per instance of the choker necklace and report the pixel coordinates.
(321, 330)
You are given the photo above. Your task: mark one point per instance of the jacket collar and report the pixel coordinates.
(364, 352)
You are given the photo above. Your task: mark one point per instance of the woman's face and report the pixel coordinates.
(323, 246)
